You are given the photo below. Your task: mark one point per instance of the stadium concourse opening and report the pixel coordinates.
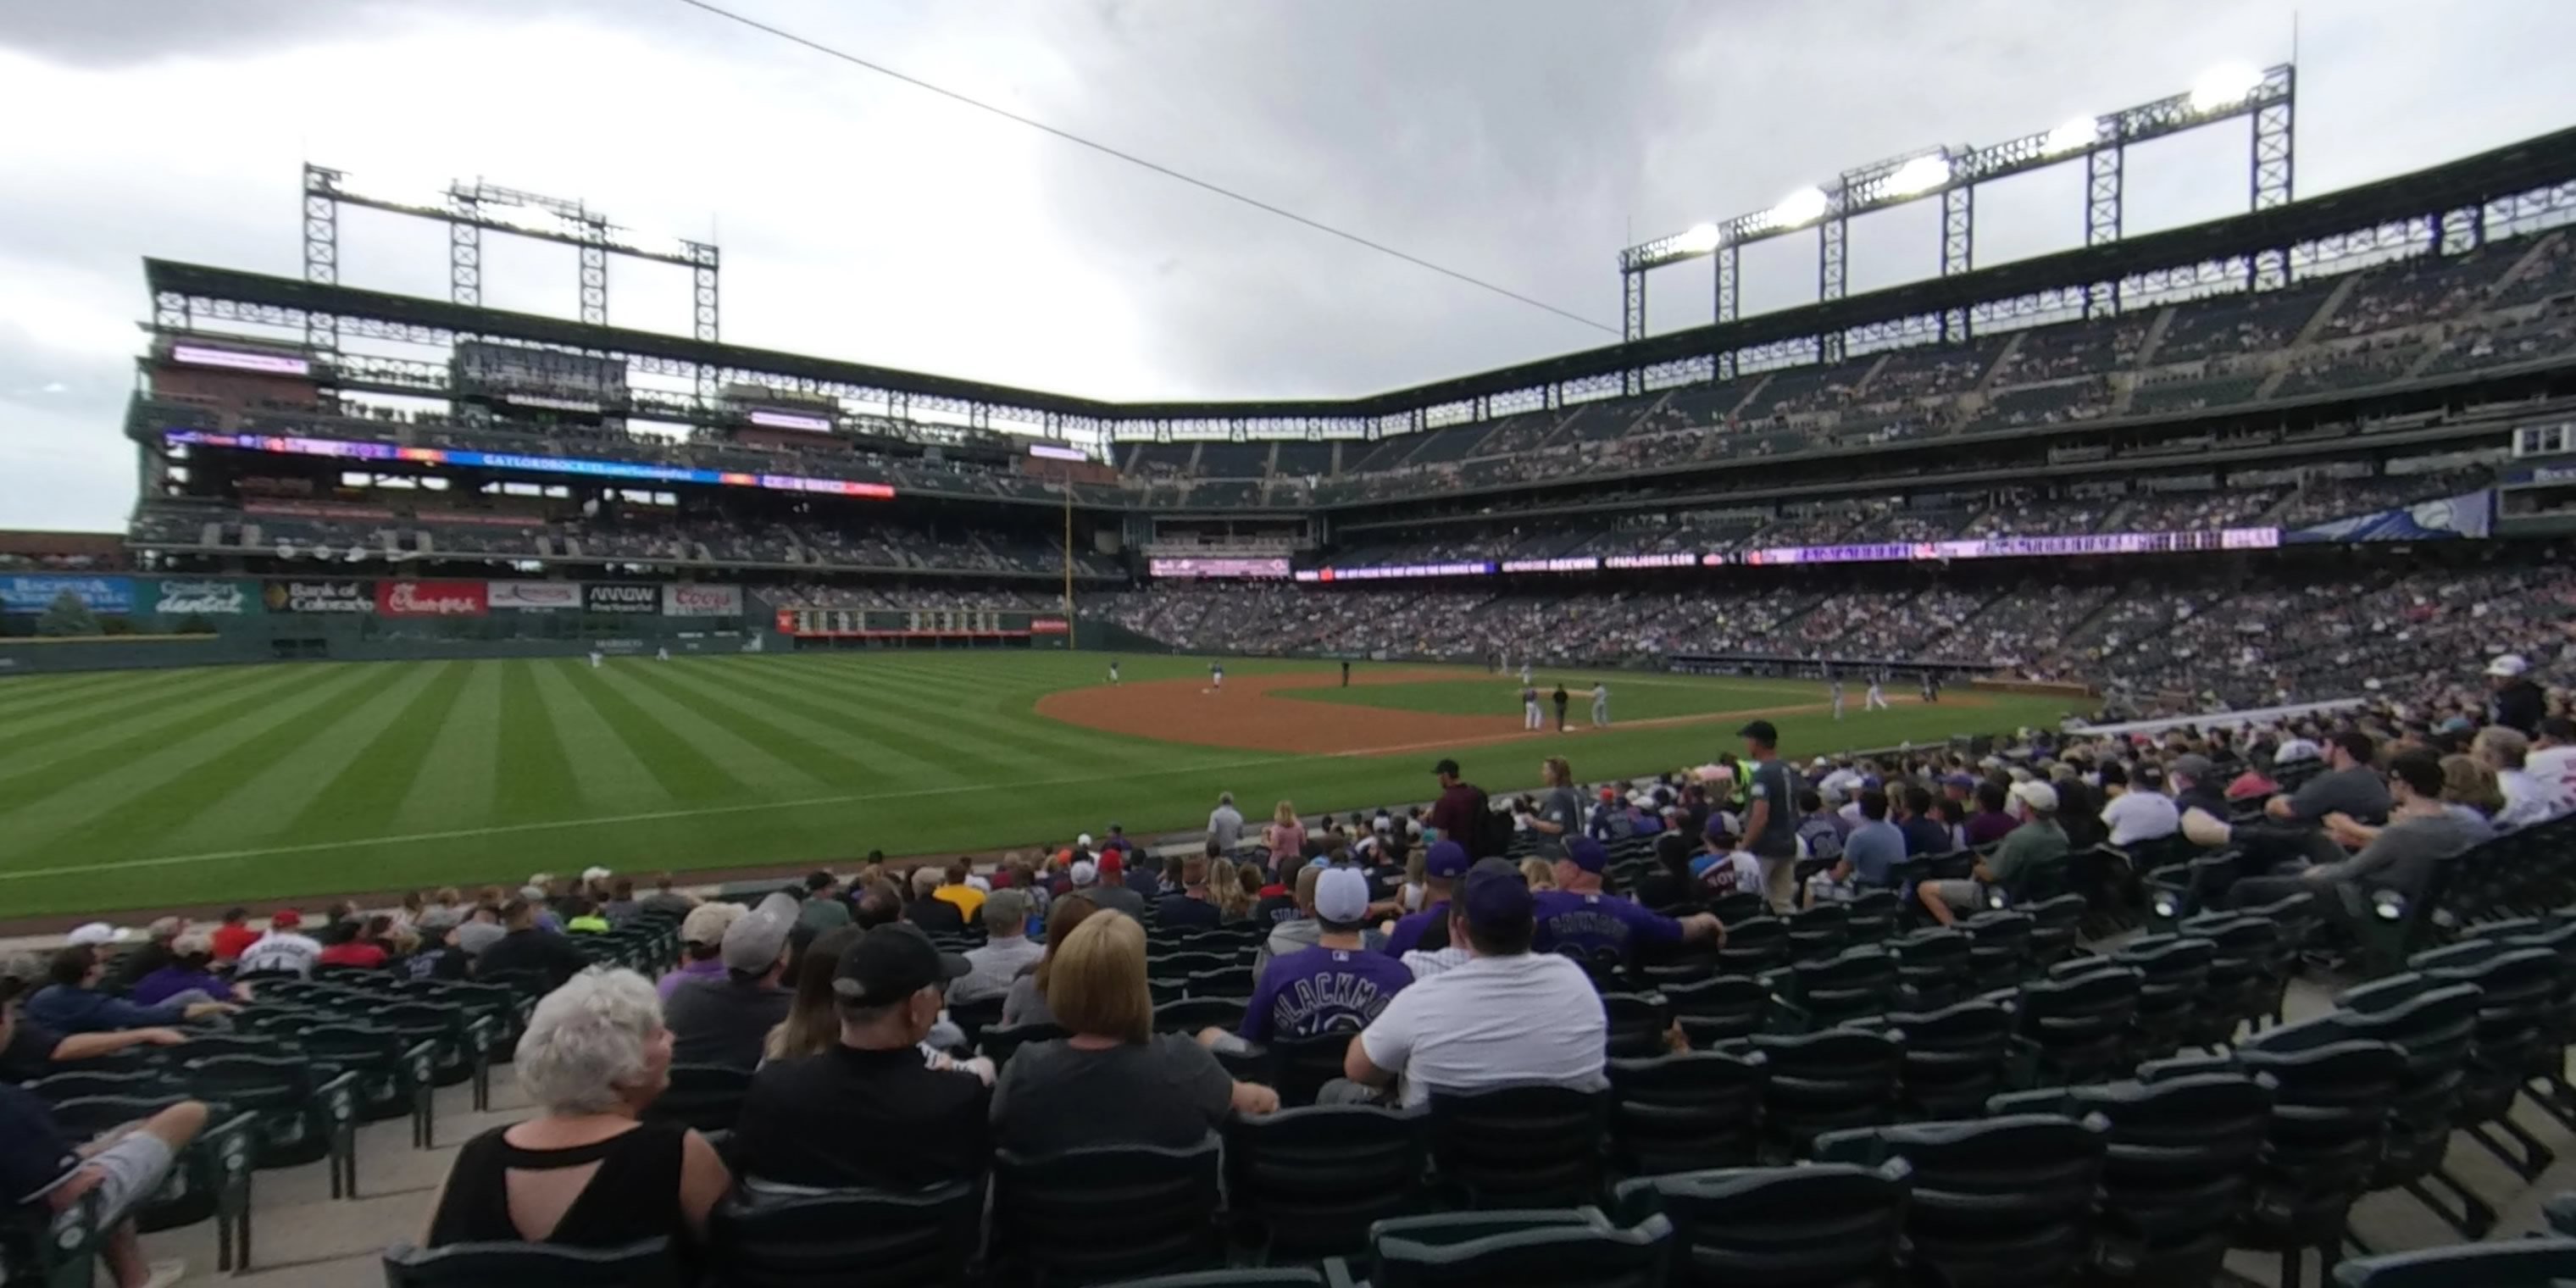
(1260, 713)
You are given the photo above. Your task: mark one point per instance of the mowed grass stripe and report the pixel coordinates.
(810, 745)
(31, 694)
(375, 776)
(458, 761)
(610, 776)
(96, 818)
(46, 765)
(296, 788)
(534, 775)
(969, 712)
(926, 729)
(945, 759)
(750, 761)
(94, 706)
(682, 772)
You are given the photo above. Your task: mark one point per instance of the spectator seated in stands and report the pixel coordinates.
(1428, 928)
(2139, 811)
(702, 935)
(360, 944)
(2036, 838)
(1110, 887)
(2422, 832)
(1723, 866)
(2292, 832)
(2526, 799)
(957, 888)
(1337, 986)
(188, 975)
(1190, 907)
(666, 900)
(444, 953)
(1873, 849)
(1026, 1003)
(1508, 1014)
(71, 1001)
(1993, 817)
(824, 908)
(588, 1171)
(868, 1111)
(935, 915)
(1006, 953)
(1114, 1081)
(234, 935)
(284, 949)
(726, 1020)
(526, 946)
(151, 955)
(813, 1023)
(107, 1178)
(1578, 916)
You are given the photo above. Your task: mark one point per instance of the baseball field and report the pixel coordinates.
(173, 788)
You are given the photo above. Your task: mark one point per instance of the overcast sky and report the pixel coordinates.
(860, 218)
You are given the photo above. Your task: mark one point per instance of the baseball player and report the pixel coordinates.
(1529, 707)
(1838, 697)
(1113, 670)
(1876, 698)
(1525, 674)
(594, 658)
(1930, 694)
(1346, 675)
(1600, 705)
(1216, 677)
(662, 654)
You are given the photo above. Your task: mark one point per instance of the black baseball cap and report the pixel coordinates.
(1449, 767)
(891, 963)
(1761, 731)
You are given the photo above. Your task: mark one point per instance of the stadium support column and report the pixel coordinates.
(2269, 180)
(321, 251)
(1726, 305)
(702, 285)
(1632, 322)
(2102, 220)
(1958, 251)
(1073, 637)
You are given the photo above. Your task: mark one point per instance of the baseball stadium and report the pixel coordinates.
(2054, 771)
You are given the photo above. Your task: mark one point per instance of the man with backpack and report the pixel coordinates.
(1466, 815)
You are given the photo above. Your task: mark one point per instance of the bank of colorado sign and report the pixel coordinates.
(319, 597)
(431, 599)
(621, 597)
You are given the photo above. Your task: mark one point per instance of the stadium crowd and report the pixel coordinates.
(899, 1026)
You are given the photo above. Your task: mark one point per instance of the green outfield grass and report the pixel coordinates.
(162, 788)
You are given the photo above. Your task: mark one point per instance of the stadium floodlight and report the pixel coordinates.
(2077, 134)
(657, 245)
(2225, 85)
(1698, 239)
(1918, 176)
(1805, 206)
(535, 219)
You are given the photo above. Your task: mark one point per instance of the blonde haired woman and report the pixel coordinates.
(1115, 1081)
(1225, 886)
(1285, 837)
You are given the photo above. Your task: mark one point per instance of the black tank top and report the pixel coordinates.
(635, 1194)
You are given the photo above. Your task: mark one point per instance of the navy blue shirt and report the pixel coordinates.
(34, 1155)
(1925, 836)
(1182, 910)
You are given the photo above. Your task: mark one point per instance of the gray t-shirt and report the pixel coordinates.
(1225, 826)
(1773, 782)
(2358, 791)
(1024, 1004)
(2405, 852)
(1167, 1092)
(1561, 807)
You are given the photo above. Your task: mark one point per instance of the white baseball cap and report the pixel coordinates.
(591, 874)
(96, 932)
(1085, 872)
(2039, 796)
(1083, 840)
(1341, 895)
(2508, 665)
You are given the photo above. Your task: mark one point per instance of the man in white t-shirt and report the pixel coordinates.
(2551, 763)
(1506, 1015)
(2527, 799)
(2141, 812)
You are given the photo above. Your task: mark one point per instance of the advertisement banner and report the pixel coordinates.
(1050, 626)
(620, 597)
(2470, 514)
(684, 599)
(533, 595)
(35, 594)
(175, 597)
(320, 596)
(431, 599)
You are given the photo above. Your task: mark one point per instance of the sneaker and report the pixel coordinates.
(166, 1273)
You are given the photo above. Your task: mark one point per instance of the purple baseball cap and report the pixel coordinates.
(1446, 859)
(1587, 854)
(1496, 899)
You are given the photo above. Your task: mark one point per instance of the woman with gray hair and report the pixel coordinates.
(587, 1172)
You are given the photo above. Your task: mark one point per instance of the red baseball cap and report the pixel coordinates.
(1109, 864)
(286, 919)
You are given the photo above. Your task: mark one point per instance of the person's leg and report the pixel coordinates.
(1945, 900)
(2254, 892)
(1780, 881)
(133, 1168)
(1343, 1091)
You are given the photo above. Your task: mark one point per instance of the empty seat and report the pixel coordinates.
(2435, 1023)
(1825, 1224)
(1997, 1203)
(1685, 1113)
(2333, 1090)
(1191, 1014)
(1519, 1145)
(1636, 1024)
(1309, 1182)
(1719, 1009)
(999, 1042)
(1579, 1248)
(859, 1238)
(1087, 1215)
(2531, 1263)
(2081, 1024)
(1933, 965)
(531, 1265)
(707, 1097)
(2518, 990)
(1821, 994)
(1955, 1057)
(2178, 1174)
(1299, 1067)
(2173, 975)
(1820, 1082)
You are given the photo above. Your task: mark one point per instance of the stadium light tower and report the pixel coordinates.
(1952, 174)
(469, 210)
